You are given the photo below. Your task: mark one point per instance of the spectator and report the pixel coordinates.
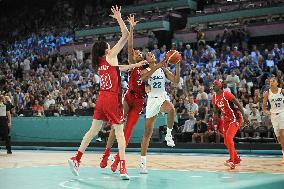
(190, 105)
(38, 109)
(213, 132)
(233, 81)
(188, 127)
(200, 128)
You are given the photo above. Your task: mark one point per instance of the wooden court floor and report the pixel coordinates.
(195, 162)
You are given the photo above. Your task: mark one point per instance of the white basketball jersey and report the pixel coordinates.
(276, 101)
(157, 83)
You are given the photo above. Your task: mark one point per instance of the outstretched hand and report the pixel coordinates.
(131, 20)
(116, 12)
(142, 63)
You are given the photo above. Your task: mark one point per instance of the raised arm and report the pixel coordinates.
(173, 78)
(146, 74)
(131, 66)
(125, 33)
(132, 23)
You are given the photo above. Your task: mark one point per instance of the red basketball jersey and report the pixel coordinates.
(135, 83)
(223, 101)
(110, 77)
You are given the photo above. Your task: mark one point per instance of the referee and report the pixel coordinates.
(5, 123)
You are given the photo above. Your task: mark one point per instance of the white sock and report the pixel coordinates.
(169, 131)
(143, 160)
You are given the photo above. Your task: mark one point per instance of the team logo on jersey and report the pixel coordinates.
(157, 77)
(220, 103)
(277, 100)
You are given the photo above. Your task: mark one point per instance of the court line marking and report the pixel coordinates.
(156, 169)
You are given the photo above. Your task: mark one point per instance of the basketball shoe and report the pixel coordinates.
(236, 162)
(74, 165)
(142, 168)
(104, 160)
(123, 172)
(230, 164)
(170, 141)
(114, 165)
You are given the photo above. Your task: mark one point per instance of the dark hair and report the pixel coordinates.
(98, 50)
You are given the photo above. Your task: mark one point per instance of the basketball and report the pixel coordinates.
(173, 56)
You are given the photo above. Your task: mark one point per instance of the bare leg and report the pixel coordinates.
(149, 126)
(93, 131)
(169, 108)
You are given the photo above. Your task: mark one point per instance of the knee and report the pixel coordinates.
(119, 133)
(147, 134)
(172, 110)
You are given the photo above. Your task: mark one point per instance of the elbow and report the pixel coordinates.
(176, 81)
(143, 78)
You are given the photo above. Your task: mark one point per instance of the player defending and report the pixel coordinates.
(275, 96)
(233, 119)
(109, 103)
(158, 101)
(133, 103)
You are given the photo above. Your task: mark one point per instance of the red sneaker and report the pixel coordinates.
(104, 160)
(237, 160)
(123, 172)
(114, 165)
(74, 165)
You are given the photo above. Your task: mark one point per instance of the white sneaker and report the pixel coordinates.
(170, 141)
(142, 169)
(74, 166)
(99, 139)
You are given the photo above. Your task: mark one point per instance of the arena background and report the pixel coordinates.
(46, 74)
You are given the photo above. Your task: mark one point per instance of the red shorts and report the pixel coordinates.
(134, 102)
(109, 108)
(238, 121)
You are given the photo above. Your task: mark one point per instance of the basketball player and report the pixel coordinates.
(275, 96)
(133, 100)
(109, 102)
(5, 123)
(157, 101)
(233, 118)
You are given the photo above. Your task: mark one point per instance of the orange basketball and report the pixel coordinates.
(173, 56)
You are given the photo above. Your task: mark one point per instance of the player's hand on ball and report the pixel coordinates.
(116, 12)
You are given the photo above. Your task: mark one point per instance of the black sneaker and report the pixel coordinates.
(9, 152)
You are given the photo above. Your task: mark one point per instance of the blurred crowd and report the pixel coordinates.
(38, 81)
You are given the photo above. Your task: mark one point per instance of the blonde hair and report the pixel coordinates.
(152, 56)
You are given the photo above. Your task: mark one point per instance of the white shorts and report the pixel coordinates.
(154, 105)
(277, 121)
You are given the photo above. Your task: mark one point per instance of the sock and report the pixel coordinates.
(79, 155)
(107, 151)
(143, 160)
(169, 131)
